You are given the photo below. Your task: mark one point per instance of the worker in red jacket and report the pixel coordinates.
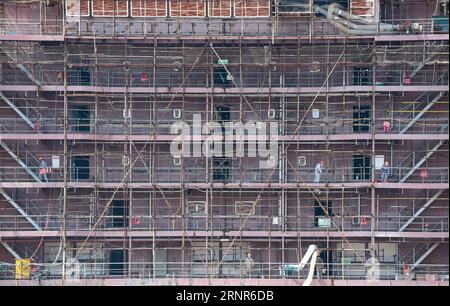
(43, 169)
(386, 126)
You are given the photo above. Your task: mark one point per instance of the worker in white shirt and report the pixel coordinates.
(318, 171)
(249, 264)
(372, 266)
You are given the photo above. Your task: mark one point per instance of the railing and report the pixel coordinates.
(22, 102)
(16, 53)
(420, 103)
(250, 77)
(354, 223)
(198, 174)
(29, 159)
(414, 253)
(415, 204)
(411, 109)
(434, 175)
(421, 126)
(19, 56)
(27, 27)
(424, 98)
(420, 223)
(31, 206)
(215, 269)
(410, 208)
(410, 161)
(25, 251)
(335, 125)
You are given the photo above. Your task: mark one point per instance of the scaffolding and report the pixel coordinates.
(99, 105)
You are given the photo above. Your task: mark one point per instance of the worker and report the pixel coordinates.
(406, 78)
(248, 265)
(43, 169)
(407, 273)
(320, 268)
(424, 173)
(372, 266)
(386, 126)
(34, 270)
(37, 126)
(318, 171)
(144, 77)
(406, 269)
(60, 77)
(385, 172)
(60, 122)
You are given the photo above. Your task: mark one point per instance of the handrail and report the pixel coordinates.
(413, 251)
(114, 126)
(172, 174)
(425, 93)
(258, 223)
(27, 106)
(28, 154)
(97, 268)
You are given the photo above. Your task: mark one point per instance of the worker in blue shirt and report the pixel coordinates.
(385, 172)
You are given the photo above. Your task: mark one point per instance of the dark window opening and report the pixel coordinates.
(362, 76)
(118, 212)
(325, 267)
(117, 262)
(362, 116)
(221, 169)
(223, 115)
(79, 76)
(221, 77)
(80, 168)
(361, 167)
(81, 119)
(321, 219)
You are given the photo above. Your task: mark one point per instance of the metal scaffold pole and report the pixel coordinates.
(373, 129)
(66, 166)
(91, 93)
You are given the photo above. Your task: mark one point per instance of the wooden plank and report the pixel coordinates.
(148, 8)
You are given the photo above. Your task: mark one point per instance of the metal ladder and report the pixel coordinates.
(423, 110)
(17, 108)
(31, 161)
(414, 166)
(20, 209)
(17, 55)
(425, 205)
